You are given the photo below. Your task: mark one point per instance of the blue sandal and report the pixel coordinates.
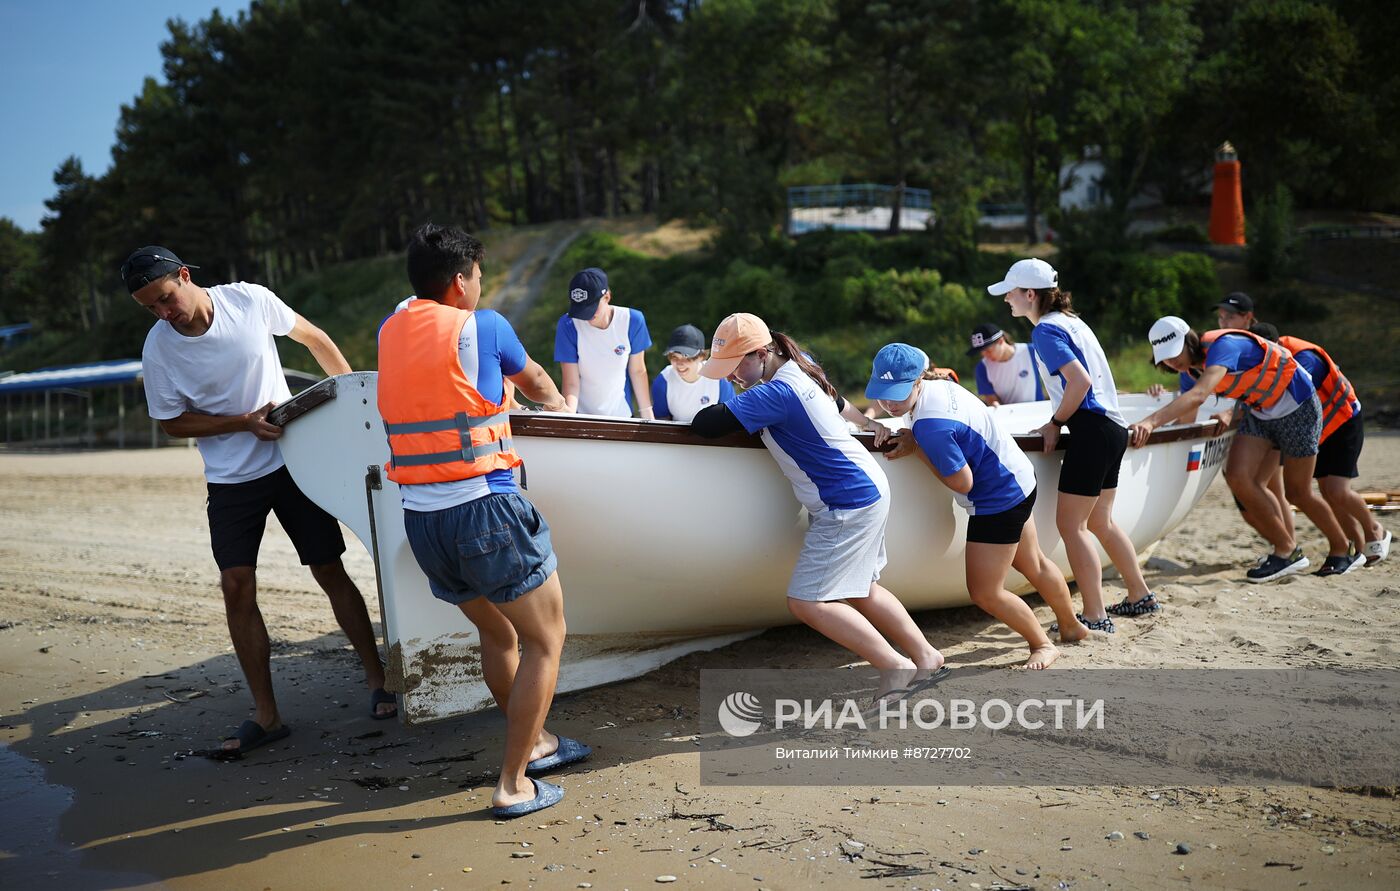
(546, 795)
(570, 751)
(379, 696)
(1105, 624)
(1128, 608)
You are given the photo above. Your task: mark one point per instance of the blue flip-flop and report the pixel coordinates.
(570, 751)
(546, 795)
(377, 697)
(250, 735)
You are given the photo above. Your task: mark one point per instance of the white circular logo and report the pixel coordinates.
(740, 714)
(578, 295)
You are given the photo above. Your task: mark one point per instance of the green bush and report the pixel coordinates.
(1273, 251)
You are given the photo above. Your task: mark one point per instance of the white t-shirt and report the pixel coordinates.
(231, 369)
(684, 399)
(1014, 380)
(1059, 339)
(602, 355)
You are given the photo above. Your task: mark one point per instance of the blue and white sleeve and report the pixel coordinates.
(726, 391)
(566, 341)
(637, 334)
(1052, 345)
(984, 383)
(938, 438)
(762, 406)
(659, 407)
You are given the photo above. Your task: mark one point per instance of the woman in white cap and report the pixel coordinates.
(994, 482)
(1084, 399)
(679, 391)
(1283, 412)
(835, 586)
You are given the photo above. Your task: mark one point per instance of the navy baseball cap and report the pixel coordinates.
(1237, 301)
(144, 265)
(983, 336)
(586, 288)
(687, 340)
(894, 371)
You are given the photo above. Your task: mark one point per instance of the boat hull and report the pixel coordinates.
(645, 578)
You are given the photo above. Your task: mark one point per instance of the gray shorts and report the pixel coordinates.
(842, 554)
(1295, 434)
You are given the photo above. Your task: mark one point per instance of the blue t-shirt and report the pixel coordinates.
(955, 431)
(1185, 381)
(1058, 339)
(828, 468)
(1239, 352)
(490, 351)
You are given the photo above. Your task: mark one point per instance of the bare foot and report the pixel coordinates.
(1041, 657)
(928, 664)
(546, 744)
(1075, 632)
(509, 792)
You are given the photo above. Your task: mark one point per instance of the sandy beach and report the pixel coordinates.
(116, 663)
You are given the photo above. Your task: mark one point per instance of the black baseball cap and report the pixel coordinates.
(983, 336)
(1265, 330)
(687, 340)
(1237, 301)
(145, 265)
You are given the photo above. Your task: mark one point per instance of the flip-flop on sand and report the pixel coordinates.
(250, 735)
(1378, 550)
(546, 795)
(377, 697)
(570, 751)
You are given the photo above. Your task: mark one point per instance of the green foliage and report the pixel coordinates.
(1273, 251)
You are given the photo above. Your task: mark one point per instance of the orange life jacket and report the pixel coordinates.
(1262, 386)
(440, 428)
(1333, 391)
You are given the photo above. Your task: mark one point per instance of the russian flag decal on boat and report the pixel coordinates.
(1193, 460)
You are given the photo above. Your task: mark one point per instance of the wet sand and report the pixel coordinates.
(116, 662)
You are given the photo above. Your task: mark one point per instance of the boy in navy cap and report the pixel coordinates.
(601, 350)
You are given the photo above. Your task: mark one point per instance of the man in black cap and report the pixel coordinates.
(1236, 311)
(212, 373)
(1006, 374)
(601, 351)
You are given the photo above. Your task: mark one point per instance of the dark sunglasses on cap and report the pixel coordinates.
(140, 270)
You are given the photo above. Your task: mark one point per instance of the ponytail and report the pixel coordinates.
(1048, 300)
(788, 349)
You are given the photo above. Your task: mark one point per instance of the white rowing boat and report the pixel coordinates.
(644, 582)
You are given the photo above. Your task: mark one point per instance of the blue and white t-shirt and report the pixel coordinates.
(601, 355)
(956, 430)
(490, 351)
(1014, 380)
(1059, 339)
(672, 397)
(1239, 352)
(828, 468)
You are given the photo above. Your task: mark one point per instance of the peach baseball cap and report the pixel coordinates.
(736, 337)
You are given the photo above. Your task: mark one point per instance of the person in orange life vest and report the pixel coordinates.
(443, 365)
(1237, 311)
(212, 374)
(1339, 446)
(1282, 411)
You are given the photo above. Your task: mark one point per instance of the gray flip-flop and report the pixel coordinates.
(546, 795)
(570, 751)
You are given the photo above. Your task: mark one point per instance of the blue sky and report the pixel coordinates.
(67, 67)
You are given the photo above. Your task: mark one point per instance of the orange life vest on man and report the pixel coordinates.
(1333, 391)
(440, 428)
(1262, 386)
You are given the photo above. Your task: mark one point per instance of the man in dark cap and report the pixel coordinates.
(601, 351)
(212, 373)
(1006, 372)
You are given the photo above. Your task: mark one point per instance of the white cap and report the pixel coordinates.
(1168, 337)
(1030, 273)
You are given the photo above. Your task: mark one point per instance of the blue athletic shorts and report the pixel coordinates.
(497, 547)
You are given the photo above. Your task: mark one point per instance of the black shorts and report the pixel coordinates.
(1002, 528)
(238, 515)
(1095, 449)
(1337, 454)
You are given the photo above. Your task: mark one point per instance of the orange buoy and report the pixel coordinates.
(1226, 199)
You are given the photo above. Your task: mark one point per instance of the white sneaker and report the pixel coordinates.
(1376, 551)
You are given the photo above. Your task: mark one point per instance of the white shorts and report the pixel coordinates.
(842, 554)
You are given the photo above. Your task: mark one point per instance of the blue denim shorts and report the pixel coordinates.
(497, 547)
